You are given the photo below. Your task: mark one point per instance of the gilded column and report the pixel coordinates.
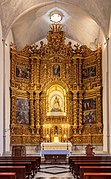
(70, 108)
(38, 73)
(75, 105)
(37, 112)
(99, 67)
(67, 105)
(31, 110)
(67, 71)
(13, 58)
(43, 107)
(80, 73)
(80, 110)
(32, 74)
(13, 107)
(45, 71)
(99, 109)
(75, 74)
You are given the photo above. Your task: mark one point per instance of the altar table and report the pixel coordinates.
(56, 146)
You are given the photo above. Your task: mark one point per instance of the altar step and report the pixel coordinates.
(54, 163)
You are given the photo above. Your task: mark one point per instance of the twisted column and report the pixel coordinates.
(75, 104)
(37, 111)
(31, 110)
(80, 110)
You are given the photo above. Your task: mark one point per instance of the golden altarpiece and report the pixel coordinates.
(56, 91)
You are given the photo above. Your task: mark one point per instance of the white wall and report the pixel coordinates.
(7, 89)
(104, 95)
(1, 91)
(106, 64)
(109, 58)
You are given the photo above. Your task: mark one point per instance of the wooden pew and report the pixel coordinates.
(35, 164)
(19, 170)
(86, 158)
(27, 165)
(84, 169)
(88, 163)
(89, 175)
(26, 158)
(5, 175)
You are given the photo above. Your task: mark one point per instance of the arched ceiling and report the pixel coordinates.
(29, 19)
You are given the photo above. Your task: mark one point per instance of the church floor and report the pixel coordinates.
(54, 172)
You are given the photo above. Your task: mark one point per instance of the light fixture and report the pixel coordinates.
(56, 16)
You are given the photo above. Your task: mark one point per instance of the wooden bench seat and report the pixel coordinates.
(19, 170)
(6, 175)
(90, 175)
(83, 169)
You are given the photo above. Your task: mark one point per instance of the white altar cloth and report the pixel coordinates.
(56, 146)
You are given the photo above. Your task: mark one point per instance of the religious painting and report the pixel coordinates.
(89, 104)
(56, 70)
(22, 104)
(89, 117)
(22, 72)
(22, 117)
(89, 72)
(22, 111)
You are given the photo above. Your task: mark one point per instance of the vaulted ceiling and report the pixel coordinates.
(83, 20)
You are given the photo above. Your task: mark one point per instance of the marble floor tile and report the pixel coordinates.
(54, 172)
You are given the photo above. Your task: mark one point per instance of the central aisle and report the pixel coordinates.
(54, 172)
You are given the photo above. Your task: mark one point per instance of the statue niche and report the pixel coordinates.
(55, 101)
(56, 105)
